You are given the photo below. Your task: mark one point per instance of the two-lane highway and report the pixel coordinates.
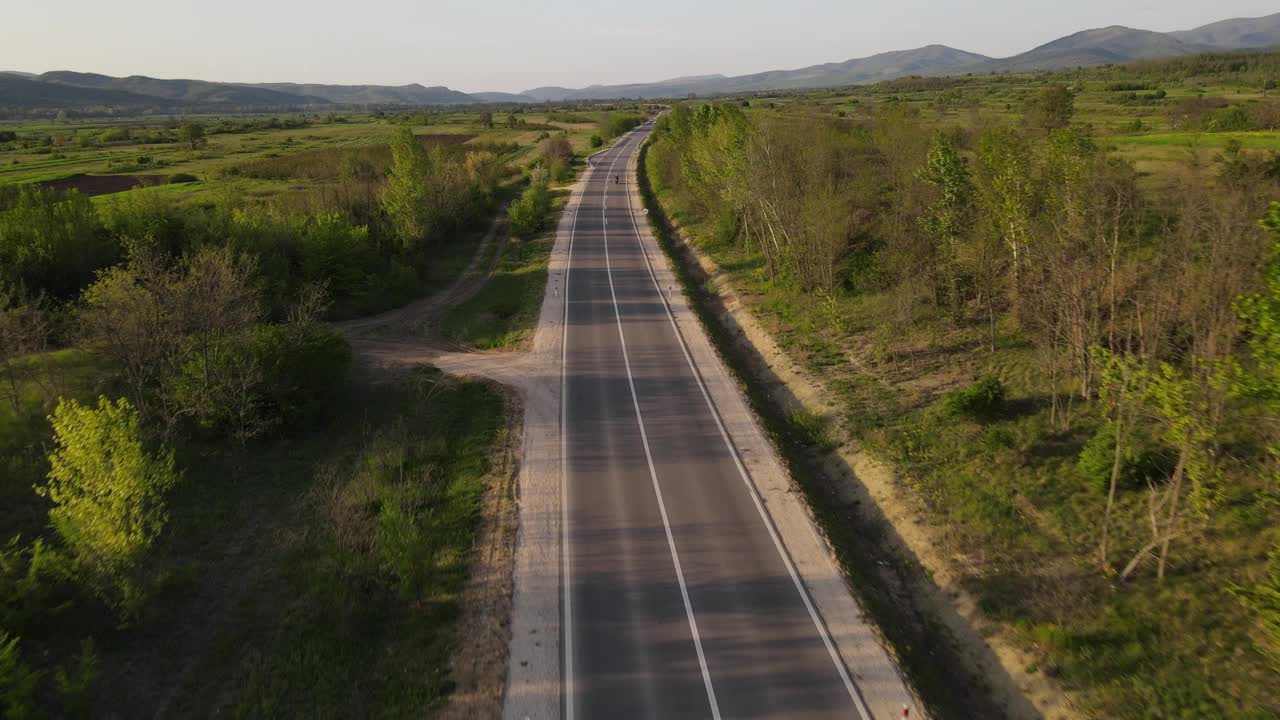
(678, 598)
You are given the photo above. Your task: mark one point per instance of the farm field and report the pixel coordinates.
(151, 152)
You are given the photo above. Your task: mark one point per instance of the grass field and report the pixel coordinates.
(66, 158)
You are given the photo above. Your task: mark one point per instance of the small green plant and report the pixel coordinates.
(1264, 599)
(17, 681)
(1138, 464)
(180, 178)
(983, 399)
(29, 576)
(813, 429)
(597, 141)
(831, 312)
(74, 683)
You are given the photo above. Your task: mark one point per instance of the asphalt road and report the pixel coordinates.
(678, 600)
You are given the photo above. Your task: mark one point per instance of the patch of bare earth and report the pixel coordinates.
(479, 668)
(101, 184)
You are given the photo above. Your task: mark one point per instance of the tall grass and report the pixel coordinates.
(369, 618)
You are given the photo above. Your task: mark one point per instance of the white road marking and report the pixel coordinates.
(566, 595)
(863, 712)
(653, 475)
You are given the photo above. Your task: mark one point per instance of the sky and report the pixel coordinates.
(514, 45)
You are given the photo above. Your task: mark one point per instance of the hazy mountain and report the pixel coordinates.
(19, 73)
(501, 97)
(23, 92)
(190, 92)
(66, 89)
(1115, 44)
(1100, 46)
(414, 94)
(1235, 34)
(933, 59)
(550, 93)
(928, 60)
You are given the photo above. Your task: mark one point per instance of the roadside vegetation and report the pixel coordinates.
(1063, 337)
(206, 506)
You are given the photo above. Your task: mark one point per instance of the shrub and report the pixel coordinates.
(303, 366)
(52, 241)
(557, 155)
(108, 492)
(74, 683)
(243, 384)
(528, 214)
(1264, 599)
(29, 578)
(17, 681)
(597, 141)
(812, 429)
(179, 178)
(1231, 119)
(984, 398)
(1140, 462)
(1098, 456)
(218, 386)
(338, 253)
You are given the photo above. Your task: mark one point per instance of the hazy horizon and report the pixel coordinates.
(501, 47)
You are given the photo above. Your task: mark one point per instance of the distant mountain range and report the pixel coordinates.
(1102, 46)
(65, 90)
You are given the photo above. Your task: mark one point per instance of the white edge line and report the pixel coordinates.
(653, 474)
(742, 471)
(566, 594)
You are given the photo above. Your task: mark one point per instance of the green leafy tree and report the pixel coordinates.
(404, 198)
(528, 215)
(1053, 107)
(53, 242)
(618, 123)
(1123, 393)
(1006, 190)
(557, 153)
(1261, 315)
(1178, 403)
(947, 218)
(192, 134)
(107, 492)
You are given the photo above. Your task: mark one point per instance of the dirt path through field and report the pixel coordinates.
(398, 340)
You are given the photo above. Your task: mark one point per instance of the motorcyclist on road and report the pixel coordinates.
(616, 180)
